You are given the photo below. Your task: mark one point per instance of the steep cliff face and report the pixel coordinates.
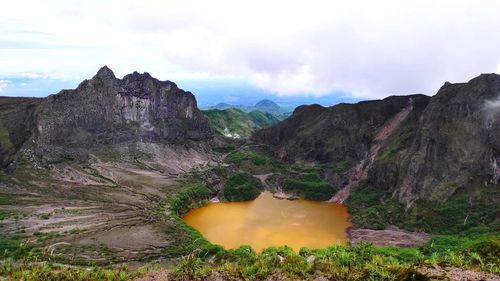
(106, 110)
(442, 143)
(341, 134)
(456, 140)
(16, 126)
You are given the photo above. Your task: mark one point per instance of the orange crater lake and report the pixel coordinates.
(267, 221)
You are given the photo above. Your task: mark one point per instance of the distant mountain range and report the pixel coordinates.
(234, 123)
(264, 106)
(240, 121)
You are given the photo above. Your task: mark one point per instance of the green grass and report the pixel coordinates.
(254, 163)
(263, 120)
(241, 187)
(5, 214)
(192, 195)
(239, 156)
(237, 121)
(14, 247)
(309, 186)
(7, 199)
(53, 272)
(361, 262)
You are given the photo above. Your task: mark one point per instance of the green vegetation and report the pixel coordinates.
(309, 186)
(253, 162)
(224, 148)
(263, 120)
(368, 212)
(342, 167)
(474, 206)
(361, 262)
(5, 214)
(247, 155)
(5, 141)
(14, 247)
(235, 121)
(188, 239)
(7, 199)
(48, 271)
(241, 187)
(191, 196)
(395, 144)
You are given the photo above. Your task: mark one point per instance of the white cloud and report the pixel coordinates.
(4, 84)
(492, 105)
(368, 48)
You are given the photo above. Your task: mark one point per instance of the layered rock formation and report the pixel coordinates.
(339, 134)
(105, 111)
(456, 140)
(440, 145)
(17, 124)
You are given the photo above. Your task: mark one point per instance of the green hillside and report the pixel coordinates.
(235, 123)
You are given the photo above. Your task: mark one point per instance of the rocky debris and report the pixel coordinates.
(495, 170)
(263, 177)
(437, 272)
(161, 275)
(360, 171)
(392, 236)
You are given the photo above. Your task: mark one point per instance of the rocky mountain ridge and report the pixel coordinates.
(444, 142)
(100, 112)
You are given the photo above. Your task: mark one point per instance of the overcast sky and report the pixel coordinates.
(360, 49)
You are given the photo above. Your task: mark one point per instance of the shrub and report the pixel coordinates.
(309, 186)
(191, 197)
(224, 148)
(241, 187)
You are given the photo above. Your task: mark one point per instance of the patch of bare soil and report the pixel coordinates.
(456, 274)
(154, 276)
(392, 236)
(263, 177)
(101, 211)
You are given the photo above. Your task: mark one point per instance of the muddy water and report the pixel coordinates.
(267, 221)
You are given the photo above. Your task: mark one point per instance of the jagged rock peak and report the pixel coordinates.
(134, 76)
(105, 72)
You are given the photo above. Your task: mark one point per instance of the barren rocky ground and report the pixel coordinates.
(100, 211)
